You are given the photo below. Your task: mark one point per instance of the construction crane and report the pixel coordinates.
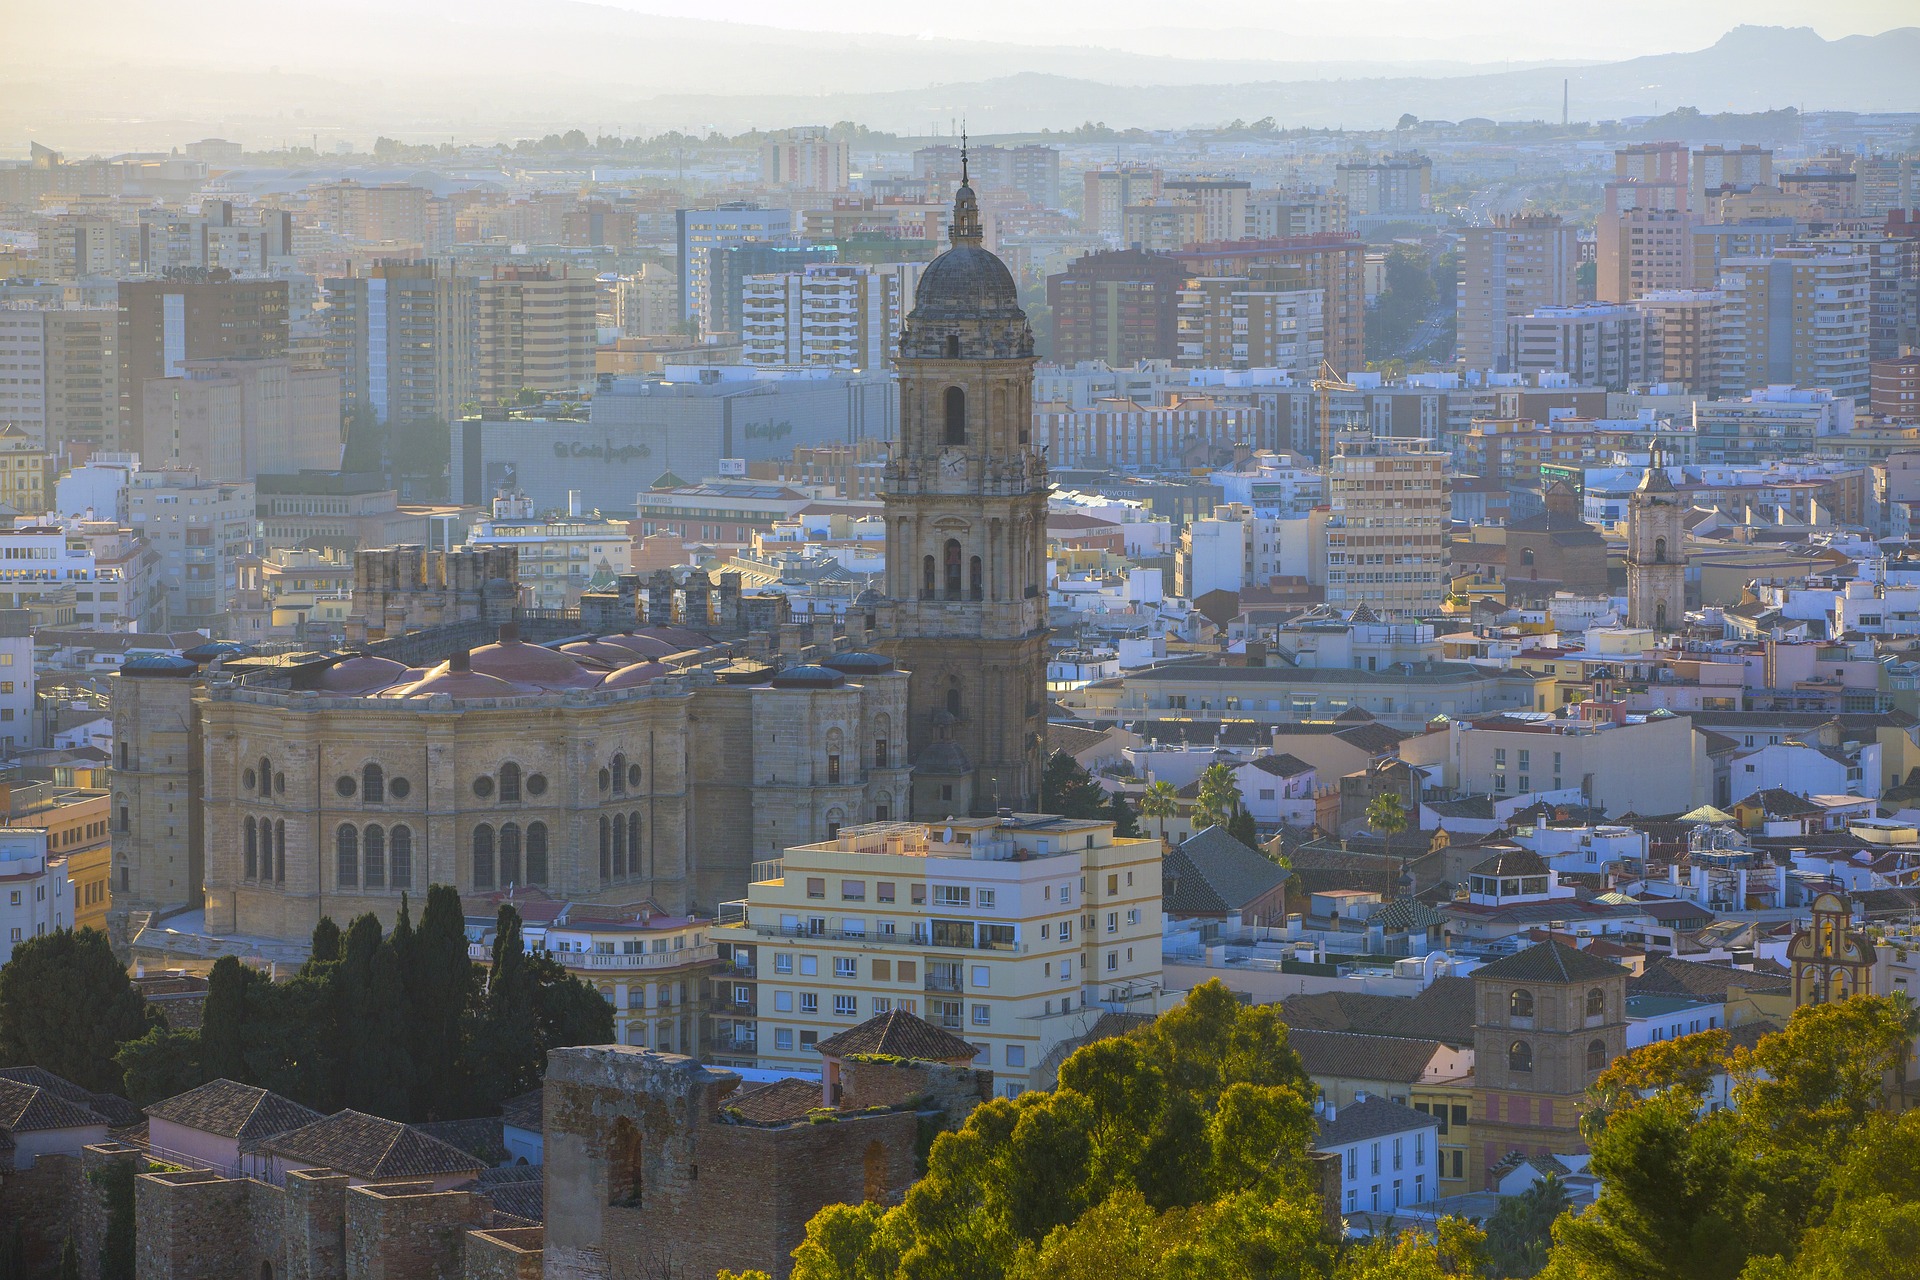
(1326, 384)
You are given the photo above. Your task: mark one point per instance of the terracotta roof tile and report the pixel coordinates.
(781, 1102)
(370, 1147)
(232, 1110)
(25, 1108)
(901, 1034)
(1549, 962)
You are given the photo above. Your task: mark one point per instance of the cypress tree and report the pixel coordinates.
(507, 1048)
(325, 948)
(223, 1023)
(440, 987)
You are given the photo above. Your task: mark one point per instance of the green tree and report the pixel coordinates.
(1160, 801)
(1069, 790)
(1241, 827)
(1120, 813)
(505, 1053)
(569, 1011)
(372, 1001)
(13, 1253)
(1521, 1230)
(325, 946)
(66, 1005)
(441, 987)
(224, 1020)
(161, 1064)
(1219, 797)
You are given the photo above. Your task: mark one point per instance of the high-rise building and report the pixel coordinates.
(701, 230)
(1689, 324)
(1893, 283)
(1032, 169)
(808, 158)
(1888, 184)
(1599, 344)
(829, 314)
(401, 339)
(1108, 195)
(1716, 170)
(1654, 162)
(200, 529)
(1388, 186)
(1263, 321)
(1716, 242)
(533, 327)
(230, 420)
(647, 303)
(1798, 317)
(1387, 526)
(1222, 203)
(1516, 266)
(388, 213)
(966, 503)
(1120, 306)
(1641, 247)
(1334, 264)
(165, 323)
(730, 266)
(1281, 215)
(1161, 227)
(24, 471)
(1895, 393)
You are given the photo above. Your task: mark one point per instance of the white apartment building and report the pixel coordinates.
(1798, 316)
(1239, 548)
(1386, 527)
(559, 555)
(1389, 1154)
(1597, 344)
(647, 303)
(808, 158)
(200, 530)
(23, 369)
(1015, 932)
(830, 313)
(35, 897)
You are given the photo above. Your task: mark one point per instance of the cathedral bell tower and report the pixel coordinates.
(1656, 551)
(966, 510)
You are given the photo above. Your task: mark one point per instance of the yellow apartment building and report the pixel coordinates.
(1016, 932)
(76, 823)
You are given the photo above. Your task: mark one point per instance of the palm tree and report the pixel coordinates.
(1160, 800)
(1387, 816)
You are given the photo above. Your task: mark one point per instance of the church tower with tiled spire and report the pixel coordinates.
(966, 511)
(1656, 551)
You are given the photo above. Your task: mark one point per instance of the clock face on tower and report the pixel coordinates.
(953, 462)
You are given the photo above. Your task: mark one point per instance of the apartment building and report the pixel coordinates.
(401, 339)
(1109, 193)
(1388, 186)
(1714, 169)
(230, 420)
(1162, 227)
(1119, 306)
(1688, 321)
(828, 314)
(1280, 215)
(1253, 322)
(699, 231)
(74, 821)
(1715, 243)
(1387, 526)
(1598, 344)
(1334, 264)
(59, 373)
(1032, 169)
(647, 302)
(807, 158)
(1016, 932)
(533, 327)
(1895, 389)
(24, 471)
(1183, 432)
(1221, 202)
(651, 967)
(36, 898)
(1654, 162)
(559, 555)
(200, 529)
(1797, 317)
(1519, 264)
(387, 213)
(1639, 250)
(1771, 424)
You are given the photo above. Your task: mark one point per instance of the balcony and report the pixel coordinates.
(706, 953)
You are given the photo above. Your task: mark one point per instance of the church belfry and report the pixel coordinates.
(966, 509)
(1656, 551)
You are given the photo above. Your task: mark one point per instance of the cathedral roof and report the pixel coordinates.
(966, 305)
(1655, 480)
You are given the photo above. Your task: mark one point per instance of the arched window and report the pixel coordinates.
(510, 855)
(626, 1165)
(1596, 1003)
(266, 775)
(509, 783)
(606, 848)
(373, 785)
(619, 772)
(953, 346)
(633, 842)
(1520, 1004)
(483, 857)
(1520, 1056)
(953, 568)
(619, 847)
(1596, 1055)
(1659, 550)
(346, 849)
(1526, 557)
(956, 412)
(927, 574)
(976, 587)
(536, 853)
(373, 858)
(279, 851)
(953, 701)
(1660, 615)
(253, 848)
(400, 858)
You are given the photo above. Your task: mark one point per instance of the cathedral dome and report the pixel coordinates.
(966, 306)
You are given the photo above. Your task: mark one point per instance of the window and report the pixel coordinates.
(1016, 1055)
(1113, 961)
(845, 1006)
(809, 1002)
(1133, 916)
(510, 855)
(1520, 1004)
(483, 857)
(986, 900)
(853, 891)
(783, 1002)
(809, 966)
(883, 891)
(783, 1038)
(1397, 1153)
(953, 556)
(1596, 1003)
(982, 1015)
(1113, 922)
(816, 886)
(536, 853)
(373, 785)
(951, 895)
(1520, 1056)
(879, 753)
(981, 974)
(882, 1004)
(783, 962)
(882, 970)
(1596, 1055)
(252, 842)
(346, 847)
(373, 860)
(956, 403)
(833, 771)
(845, 967)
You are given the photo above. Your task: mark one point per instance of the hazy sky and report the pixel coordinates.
(1478, 30)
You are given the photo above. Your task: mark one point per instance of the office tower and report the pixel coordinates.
(1647, 163)
(698, 231)
(729, 266)
(401, 339)
(1119, 305)
(808, 158)
(1689, 325)
(231, 420)
(827, 314)
(1334, 264)
(1798, 317)
(1387, 526)
(165, 323)
(1222, 203)
(533, 327)
(391, 212)
(1388, 187)
(1108, 194)
(1599, 344)
(1259, 321)
(1717, 170)
(1514, 267)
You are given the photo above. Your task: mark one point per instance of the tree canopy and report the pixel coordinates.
(1066, 788)
(1219, 798)
(66, 1005)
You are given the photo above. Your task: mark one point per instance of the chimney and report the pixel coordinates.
(459, 660)
(509, 633)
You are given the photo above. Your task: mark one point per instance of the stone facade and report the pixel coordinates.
(402, 589)
(1656, 552)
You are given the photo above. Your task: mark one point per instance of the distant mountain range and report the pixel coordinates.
(119, 73)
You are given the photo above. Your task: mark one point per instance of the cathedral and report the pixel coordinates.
(653, 748)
